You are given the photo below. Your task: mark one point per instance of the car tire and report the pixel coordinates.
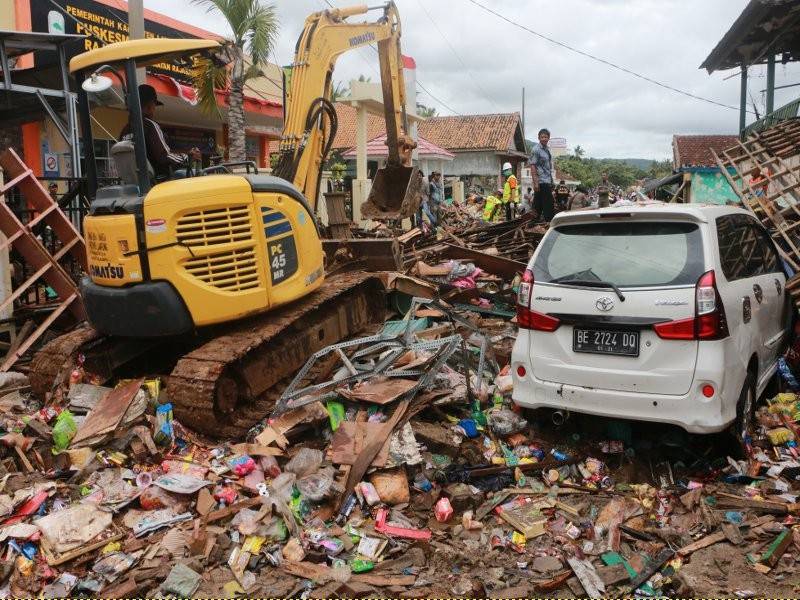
(745, 410)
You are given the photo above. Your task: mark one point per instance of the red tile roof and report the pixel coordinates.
(695, 150)
(346, 133)
(377, 147)
(470, 132)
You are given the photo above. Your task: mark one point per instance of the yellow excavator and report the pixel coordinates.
(219, 273)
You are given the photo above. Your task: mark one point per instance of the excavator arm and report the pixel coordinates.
(310, 119)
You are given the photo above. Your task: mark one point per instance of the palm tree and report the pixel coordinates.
(339, 92)
(255, 29)
(425, 111)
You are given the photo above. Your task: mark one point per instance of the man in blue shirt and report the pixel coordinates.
(541, 162)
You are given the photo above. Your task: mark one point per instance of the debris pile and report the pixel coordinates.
(394, 463)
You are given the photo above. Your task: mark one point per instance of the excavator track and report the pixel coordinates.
(232, 380)
(230, 383)
(52, 364)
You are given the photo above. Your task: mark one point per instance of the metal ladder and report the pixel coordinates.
(46, 267)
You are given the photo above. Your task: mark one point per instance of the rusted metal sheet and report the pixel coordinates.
(108, 412)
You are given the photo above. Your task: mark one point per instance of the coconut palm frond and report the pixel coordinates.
(209, 77)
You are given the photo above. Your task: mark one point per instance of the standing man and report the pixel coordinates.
(542, 174)
(510, 191)
(603, 192)
(562, 195)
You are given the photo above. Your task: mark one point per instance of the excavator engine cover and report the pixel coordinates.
(396, 193)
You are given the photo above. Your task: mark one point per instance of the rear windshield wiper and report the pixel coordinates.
(594, 283)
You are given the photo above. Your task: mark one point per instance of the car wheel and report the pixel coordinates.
(745, 410)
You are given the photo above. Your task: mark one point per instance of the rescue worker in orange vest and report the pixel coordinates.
(510, 191)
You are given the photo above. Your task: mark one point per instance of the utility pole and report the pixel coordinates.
(523, 115)
(136, 29)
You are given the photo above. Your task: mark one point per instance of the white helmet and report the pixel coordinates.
(507, 166)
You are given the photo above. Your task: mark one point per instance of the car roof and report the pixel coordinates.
(701, 213)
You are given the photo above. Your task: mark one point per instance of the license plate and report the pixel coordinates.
(606, 341)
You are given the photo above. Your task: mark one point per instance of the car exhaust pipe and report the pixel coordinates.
(559, 417)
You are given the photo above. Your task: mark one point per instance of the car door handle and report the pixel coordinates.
(778, 286)
(758, 293)
(747, 309)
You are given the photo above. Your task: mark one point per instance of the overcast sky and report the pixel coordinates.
(607, 112)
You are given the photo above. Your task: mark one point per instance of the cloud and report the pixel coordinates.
(606, 111)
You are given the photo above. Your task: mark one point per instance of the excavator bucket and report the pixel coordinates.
(396, 193)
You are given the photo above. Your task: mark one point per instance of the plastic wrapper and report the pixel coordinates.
(163, 433)
(504, 422)
(63, 431)
(155, 498)
(787, 375)
(282, 486)
(242, 465)
(305, 462)
(317, 486)
(442, 510)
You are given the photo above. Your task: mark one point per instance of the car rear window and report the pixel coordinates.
(627, 254)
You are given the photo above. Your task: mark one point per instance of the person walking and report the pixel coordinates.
(510, 191)
(542, 174)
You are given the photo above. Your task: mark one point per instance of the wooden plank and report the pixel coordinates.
(8, 362)
(589, 578)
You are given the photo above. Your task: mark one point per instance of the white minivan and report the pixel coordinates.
(660, 312)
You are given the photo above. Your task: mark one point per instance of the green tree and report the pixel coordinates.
(425, 111)
(339, 92)
(255, 29)
(579, 152)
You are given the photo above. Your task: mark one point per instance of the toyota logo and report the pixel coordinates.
(604, 303)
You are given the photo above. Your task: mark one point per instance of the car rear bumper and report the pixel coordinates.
(693, 412)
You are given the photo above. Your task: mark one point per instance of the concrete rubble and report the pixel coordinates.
(401, 468)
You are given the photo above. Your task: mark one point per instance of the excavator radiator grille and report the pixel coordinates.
(215, 226)
(231, 271)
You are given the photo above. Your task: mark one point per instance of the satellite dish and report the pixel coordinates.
(97, 84)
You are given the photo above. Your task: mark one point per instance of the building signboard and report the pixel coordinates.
(104, 25)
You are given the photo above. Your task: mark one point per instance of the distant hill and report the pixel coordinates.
(637, 163)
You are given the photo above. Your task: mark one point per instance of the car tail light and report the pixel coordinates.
(527, 318)
(709, 321)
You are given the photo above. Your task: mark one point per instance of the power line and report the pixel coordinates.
(601, 60)
(419, 83)
(463, 64)
(424, 89)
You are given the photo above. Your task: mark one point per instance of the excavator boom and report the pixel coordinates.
(311, 123)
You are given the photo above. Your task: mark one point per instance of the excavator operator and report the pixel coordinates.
(161, 158)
